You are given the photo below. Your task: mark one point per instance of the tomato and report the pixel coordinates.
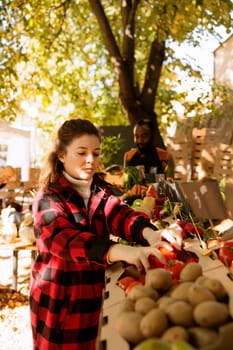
(187, 256)
(231, 268)
(124, 282)
(181, 223)
(169, 254)
(131, 285)
(142, 279)
(154, 262)
(200, 231)
(175, 282)
(189, 227)
(155, 212)
(160, 200)
(184, 233)
(174, 267)
(226, 252)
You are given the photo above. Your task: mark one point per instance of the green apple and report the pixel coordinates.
(136, 203)
(181, 345)
(153, 344)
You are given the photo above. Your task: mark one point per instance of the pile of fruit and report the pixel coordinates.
(190, 314)
(175, 261)
(162, 212)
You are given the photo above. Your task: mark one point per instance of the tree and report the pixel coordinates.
(53, 66)
(60, 46)
(166, 21)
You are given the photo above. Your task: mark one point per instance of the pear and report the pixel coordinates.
(152, 344)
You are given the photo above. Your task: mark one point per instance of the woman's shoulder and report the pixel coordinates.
(55, 190)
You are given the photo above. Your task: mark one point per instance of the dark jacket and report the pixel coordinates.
(68, 275)
(155, 157)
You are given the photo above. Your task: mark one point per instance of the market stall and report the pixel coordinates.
(201, 208)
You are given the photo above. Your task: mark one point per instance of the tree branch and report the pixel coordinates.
(65, 5)
(128, 10)
(123, 74)
(106, 31)
(155, 62)
(153, 72)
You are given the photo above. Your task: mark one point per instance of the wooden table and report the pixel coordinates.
(15, 247)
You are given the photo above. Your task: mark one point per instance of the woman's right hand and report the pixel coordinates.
(137, 256)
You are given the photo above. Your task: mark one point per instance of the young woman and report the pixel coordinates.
(74, 214)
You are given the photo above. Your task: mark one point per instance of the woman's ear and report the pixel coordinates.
(61, 157)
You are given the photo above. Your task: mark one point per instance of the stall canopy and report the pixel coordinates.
(15, 148)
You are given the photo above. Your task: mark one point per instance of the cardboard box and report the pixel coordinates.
(111, 340)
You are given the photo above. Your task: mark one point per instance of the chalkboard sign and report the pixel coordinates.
(205, 199)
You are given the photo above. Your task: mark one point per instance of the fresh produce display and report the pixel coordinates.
(163, 211)
(174, 306)
(192, 314)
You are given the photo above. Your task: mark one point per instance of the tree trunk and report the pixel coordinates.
(135, 104)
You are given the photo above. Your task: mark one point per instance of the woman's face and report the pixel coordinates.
(81, 158)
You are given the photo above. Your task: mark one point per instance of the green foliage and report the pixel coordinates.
(52, 57)
(132, 176)
(214, 105)
(110, 147)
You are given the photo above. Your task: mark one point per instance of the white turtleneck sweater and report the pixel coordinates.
(83, 187)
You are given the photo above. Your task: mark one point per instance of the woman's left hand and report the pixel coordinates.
(173, 235)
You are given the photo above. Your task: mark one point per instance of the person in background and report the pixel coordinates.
(146, 154)
(75, 215)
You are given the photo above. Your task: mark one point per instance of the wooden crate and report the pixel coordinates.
(226, 132)
(182, 154)
(194, 159)
(205, 135)
(34, 174)
(181, 170)
(224, 161)
(203, 161)
(17, 177)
